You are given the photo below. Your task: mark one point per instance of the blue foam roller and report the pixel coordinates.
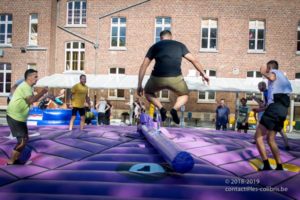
(25, 155)
(180, 161)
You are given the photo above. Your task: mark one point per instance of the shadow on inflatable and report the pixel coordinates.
(39, 117)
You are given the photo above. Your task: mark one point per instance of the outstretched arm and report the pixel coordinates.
(142, 72)
(197, 65)
(31, 99)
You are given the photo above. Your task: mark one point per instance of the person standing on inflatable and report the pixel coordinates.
(18, 110)
(167, 73)
(79, 95)
(275, 114)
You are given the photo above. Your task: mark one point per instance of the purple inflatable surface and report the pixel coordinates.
(95, 163)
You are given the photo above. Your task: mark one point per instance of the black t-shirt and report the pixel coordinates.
(168, 56)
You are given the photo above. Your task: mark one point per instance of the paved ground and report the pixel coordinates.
(94, 164)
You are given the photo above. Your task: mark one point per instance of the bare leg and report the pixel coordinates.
(72, 122)
(155, 101)
(271, 141)
(285, 139)
(15, 156)
(259, 138)
(82, 122)
(180, 101)
(18, 149)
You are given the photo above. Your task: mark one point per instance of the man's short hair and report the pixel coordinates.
(244, 99)
(273, 63)
(82, 75)
(262, 83)
(165, 32)
(28, 72)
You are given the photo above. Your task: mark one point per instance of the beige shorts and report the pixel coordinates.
(175, 84)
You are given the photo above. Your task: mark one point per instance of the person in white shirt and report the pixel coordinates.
(102, 107)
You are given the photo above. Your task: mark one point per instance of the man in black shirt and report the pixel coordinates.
(167, 74)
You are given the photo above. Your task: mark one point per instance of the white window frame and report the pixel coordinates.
(164, 99)
(71, 50)
(6, 23)
(212, 23)
(298, 38)
(31, 66)
(82, 11)
(118, 25)
(117, 71)
(163, 26)
(257, 25)
(5, 71)
(207, 100)
(115, 96)
(31, 34)
(254, 74)
(208, 71)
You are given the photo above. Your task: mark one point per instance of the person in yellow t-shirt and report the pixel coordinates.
(79, 97)
(18, 110)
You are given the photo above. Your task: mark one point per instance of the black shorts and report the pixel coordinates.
(275, 114)
(240, 126)
(80, 110)
(17, 128)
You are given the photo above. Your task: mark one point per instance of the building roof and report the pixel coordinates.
(112, 81)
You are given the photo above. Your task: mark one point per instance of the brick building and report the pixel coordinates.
(230, 38)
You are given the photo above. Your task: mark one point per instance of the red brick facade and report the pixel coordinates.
(281, 22)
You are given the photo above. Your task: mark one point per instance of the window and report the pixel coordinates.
(164, 95)
(77, 12)
(254, 74)
(75, 53)
(118, 32)
(33, 30)
(5, 78)
(5, 29)
(116, 94)
(257, 35)
(161, 23)
(117, 70)
(210, 73)
(298, 38)
(206, 96)
(297, 99)
(31, 66)
(297, 75)
(209, 34)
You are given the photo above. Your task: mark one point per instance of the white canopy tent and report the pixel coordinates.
(113, 81)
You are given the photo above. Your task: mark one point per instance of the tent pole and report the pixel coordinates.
(236, 110)
(292, 114)
(131, 91)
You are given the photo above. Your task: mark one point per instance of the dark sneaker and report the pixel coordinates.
(163, 114)
(287, 148)
(175, 116)
(279, 167)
